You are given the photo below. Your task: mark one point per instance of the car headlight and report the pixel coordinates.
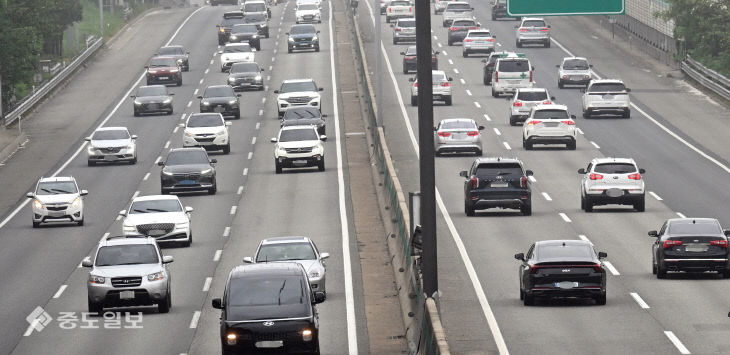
(221, 132)
(166, 173)
(231, 339)
(137, 103)
(232, 102)
(91, 150)
(205, 103)
(167, 101)
(231, 79)
(264, 25)
(76, 203)
(152, 72)
(307, 335)
(96, 279)
(206, 172)
(189, 134)
(183, 225)
(156, 276)
(37, 204)
(234, 37)
(315, 273)
(257, 78)
(179, 61)
(131, 146)
(291, 39)
(281, 149)
(255, 36)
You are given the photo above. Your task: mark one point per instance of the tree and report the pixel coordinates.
(21, 45)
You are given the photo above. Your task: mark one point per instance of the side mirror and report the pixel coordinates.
(533, 68)
(238, 95)
(123, 213)
(134, 136)
(590, 65)
(463, 173)
(391, 25)
(548, 26)
(583, 90)
(84, 193)
(553, 98)
(602, 254)
(628, 90)
(324, 115)
(411, 80)
(557, 65)
(520, 256)
(276, 91)
(493, 36)
(213, 161)
(217, 303)
(274, 140)
(436, 52)
(200, 97)
(187, 52)
(87, 263)
(319, 297)
(435, 128)
(30, 195)
(229, 123)
(248, 260)
(323, 138)
(581, 171)
(133, 96)
(483, 60)
(317, 31)
(166, 259)
(321, 89)
(220, 52)
(653, 234)
(189, 209)
(402, 53)
(642, 171)
(726, 232)
(88, 139)
(479, 24)
(254, 49)
(262, 70)
(286, 33)
(324, 256)
(481, 128)
(572, 116)
(451, 79)
(171, 94)
(146, 66)
(161, 163)
(528, 173)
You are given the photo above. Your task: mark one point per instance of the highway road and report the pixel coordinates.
(252, 202)
(674, 133)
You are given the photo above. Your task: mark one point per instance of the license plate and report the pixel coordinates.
(56, 213)
(219, 109)
(498, 184)
(614, 192)
(566, 284)
(270, 344)
(126, 295)
(156, 232)
(187, 182)
(164, 77)
(696, 248)
(300, 162)
(607, 97)
(109, 157)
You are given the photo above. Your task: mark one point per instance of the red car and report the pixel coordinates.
(164, 70)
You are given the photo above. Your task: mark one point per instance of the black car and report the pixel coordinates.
(224, 29)
(178, 53)
(219, 2)
(489, 64)
(562, 268)
(499, 10)
(305, 116)
(246, 75)
(245, 33)
(152, 99)
(409, 59)
(188, 169)
(261, 22)
(497, 182)
(303, 37)
(222, 99)
(459, 28)
(269, 307)
(690, 245)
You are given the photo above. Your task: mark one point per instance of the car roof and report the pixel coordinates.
(56, 179)
(579, 58)
(550, 107)
(458, 2)
(406, 19)
(531, 89)
(478, 30)
(189, 149)
(689, 220)
(238, 44)
(533, 18)
(162, 57)
(113, 128)
(458, 120)
(563, 241)
(289, 128)
(127, 240)
(278, 268)
(297, 81)
(282, 240)
(486, 160)
(594, 81)
(613, 160)
(155, 198)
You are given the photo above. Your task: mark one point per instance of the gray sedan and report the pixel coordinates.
(458, 135)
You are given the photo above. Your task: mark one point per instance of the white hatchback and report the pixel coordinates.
(57, 199)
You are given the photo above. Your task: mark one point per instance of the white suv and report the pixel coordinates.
(549, 124)
(612, 181)
(297, 92)
(533, 30)
(524, 100)
(160, 216)
(298, 146)
(207, 130)
(57, 198)
(606, 96)
(111, 144)
(512, 72)
(441, 88)
(478, 41)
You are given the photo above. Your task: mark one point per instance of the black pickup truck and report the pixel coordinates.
(497, 182)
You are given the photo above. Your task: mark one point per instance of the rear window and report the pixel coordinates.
(532, 96)
(615, 168)
(564, 252)
(501, 169)
(464, 23)
(534, 23)
(458, 7)
(407, 23)
(695, 228)
(255, 7)
(551, 115)
(514, 66)
(269, 291)
(480, 34)
(458, 125)
(607, 87)
(575, 64)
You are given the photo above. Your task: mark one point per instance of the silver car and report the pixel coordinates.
(524, 100)
(128, 271)
(457, 135)
(111, 144)
(294, 249)
(612, 181)
(533, 30)
(478, 41)
(456, 10)
(404, 30)
(574, 71)
(441, 88)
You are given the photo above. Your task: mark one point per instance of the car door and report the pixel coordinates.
(524, 270)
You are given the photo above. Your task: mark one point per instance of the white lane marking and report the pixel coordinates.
(654, 195)
(486, 117)
(546, 196)
(434, 37)
(258, 125)
(584, 238)
(532, 179)
(182, 117)
(167, 144)
(506, 146)
(226, 231)
(579, 130)
(250, 155)
(217, 255)
(273, 59)
(211, 61)
(174, 130)
(478, 105)
(60, 291)
(610, 268)
(440, 45)
(190, 103)
(276, 50)
(476, 283)
(564, 217)
(263, 100)
(206, 284)
(201, 81)
(207, 70)
(194, 321)
(118, 218)
(681, 215)
(146, 176)
(270, 67)
(444, 52)
(195, 92)
(639, 300)
(497, 132)
(240, 190)
(268, 77)
(277, 42)
(157, 161)
(462, 81)
(677, 343)
(245, 171)
(595, 145)
(451, 62)
(233, 209)
(456, 71)
(31, 327)
(261, 112)
(136, 193)
(344, 227)
(253, 140)
(468, 92)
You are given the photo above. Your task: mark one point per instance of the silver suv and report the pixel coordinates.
(404, 30)
(574, 71)
(533, 30)
(128, 271)
(549, 124)
(57, 199)
(524, 100)
(612, 181)
(606, 96)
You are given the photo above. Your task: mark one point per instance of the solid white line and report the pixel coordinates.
(258, 125)
(451, 62)
(434, 37)
(654, 195)
(595, 145)
(532, 179)
(250, 155)
(612, 269)
(486, 117)
(226, 231)
(233, 209)
(167, 144)
(240, 190)
(273, 59)
(136, 193)
(506, 146)
(206, 284)
(468, 92)
(478, 105)
(270, 67)
(640, 301)
(217, 255)
(194, 321)
(583, 237)
(347, 263)
(245, 171)
(565, 217)
(497, 132)
(60, 291)
(146, 176)
(681, 215)
(462, 81)
(546, 196)
(253, 140)
(677, 343)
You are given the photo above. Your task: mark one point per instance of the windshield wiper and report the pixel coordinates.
(62, 191)
(140, 211)
(281, 289)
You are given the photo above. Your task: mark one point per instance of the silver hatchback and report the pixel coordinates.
(458, 135)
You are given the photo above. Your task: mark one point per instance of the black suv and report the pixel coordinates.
(224, 29)
(261, 22)
(305, 116)
(562, 268)
(497, 182)
(269, 307)
(221, 99)
(245, 33)
(188, 169)
(489, 64)
(303, 37)
(690, 245)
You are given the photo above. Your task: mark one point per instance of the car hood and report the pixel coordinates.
(160, 69)
(299, 93)
(244, 34)
(126, 270)
(60, 198)
(204, 130)
(219, 99)
(302, 35)
(245, 56)
(302, 121)
(186, 168)
(155, 217)
(151, 99)
(112, 143)
(298, 144)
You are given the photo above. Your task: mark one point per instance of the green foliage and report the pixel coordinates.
(21, 44)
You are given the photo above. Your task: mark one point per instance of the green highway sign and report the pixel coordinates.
(565, 7)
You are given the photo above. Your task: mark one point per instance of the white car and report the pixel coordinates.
(297, 92)
(574, 71)
(298, 146)
(162, 217)
(456, 10)
(397, 9)
(549, 124)
(234, 53)
(207, 130)
(111, 144)
(441, 88)
(612, 181)
(57, 199)
(440, 5)
(524, 100)
(308, 13)
(606, 96)
(512, 72)
(532, 30)
(478, 41)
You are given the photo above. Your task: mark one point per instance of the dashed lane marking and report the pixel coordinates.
(639, 300)
(565, 217)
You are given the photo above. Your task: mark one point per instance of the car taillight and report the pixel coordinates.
(569, 123)
(496, 76)
(452, 28)
(468, 40)
(474, 182)
(410, 9)
(530, 75)
(446, 84)
(490, 39)
(523, 182)
(410, 57)
(472, 133)
(544, 29)
(635, 176)
(517, 104)
(719, 243)
(444, 134)
(523, 29)
(390, 10)
(397, 29)
(533, 122)
(595, 176)
(415, 85)
(672, 243)
(546, 102)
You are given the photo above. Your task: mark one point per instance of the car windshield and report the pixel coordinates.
(294, 135)
(219, 91)
(701, 228)
(285, 252)
(252, 18)
(266, 291)
(162, 62)
(111, 134)
(550, 115)
(458, 125)
(240, 48)
(298, 86)
(615, 168)
(151, 206)
(56, 188)
(458, 7)
(411, 50)
(151, 91)
(464, 23)
(532, 95)
(438, 77)
(534, 23)
(302, 112)
(607, 87)
(407, 23)
(514, 66)
(575, 64)
(231, 21)
(254, 7)
(480, 34)
(187, 157)
(126, 255)
(244, 68)
(499, 169)
(244, 29)
(205, 120)
(171, 50)
(302, 29)
(564, 252)
(308, 7)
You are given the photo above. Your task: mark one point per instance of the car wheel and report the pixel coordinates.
(36, 224)
(560, 84)
(494, 93)
(320, 165)
(588, 204)
(512, 121)
(90, 163)
(289, 49)
(653, 267)
(95, 307)
(725, 274)
(582, 203)
(571, 145)
(522, 295)
(464, 54)
(586, 114)
(626, 114)
(447, 100)
(227, 148)
(487, 80)
(547, 45)
(220, 43)
(444, 24)
(414, 100)
(527, 144)
(133, 161)
(640, 206)
(518, 44)
(179, 82)
(469, 209)
(237, 115)
(258, 47)
(81, 222)
(387, 19)
(526, 210)
(601, 300)
(479, 152)
(494, 19)
(278, 167)
(164, 306)
(405, 70)
(450, 42)
(661, 273)
(529, 300)
(169, 112)
(163, 191)
(213, 190)
(136, 113)
(316, 49)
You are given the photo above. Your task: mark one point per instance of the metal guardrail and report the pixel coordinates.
(707, 77)
(44, 90)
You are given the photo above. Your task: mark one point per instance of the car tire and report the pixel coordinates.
(640, 206)
(316, 49)
(479, 153)
(90, 163)
(626, 114)
(522, 295)
(560, 84)
(414, 100)
(494, 93)
(447, 101)
(179, 82)
(136, 113)
(661, 273)
(512, 121)
(387, 19)
(588, 204)
(289, 49)
(220, 43)
(95, 307)
(227, 148)
(169, 113)
(547, 44)
(586, 114)
(395, 41)
(528, 145)
(36, 224)
(725, 274)
(405, 70)
(465, 54)
(164, 192)
(80, 223)
(653, 267)
(133, 161)
(582, 203)
(277, 165)
(213, 190)
(526, 210)
(450, 42)
(518, 44)
(570, 145)
(164, 306)
(258, 47)
(487, 80)
(529, 300)
(320, 165)
(601, 300)
(469, 210)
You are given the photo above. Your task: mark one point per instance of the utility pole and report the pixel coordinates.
(426, 148)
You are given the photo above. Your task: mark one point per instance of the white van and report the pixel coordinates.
(511, 72)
